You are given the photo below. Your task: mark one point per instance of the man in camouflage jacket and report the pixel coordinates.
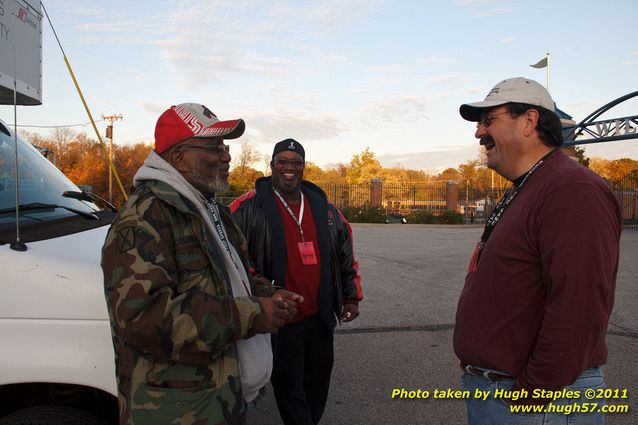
(174, 262)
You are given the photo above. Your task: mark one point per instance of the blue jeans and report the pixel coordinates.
(496, 411)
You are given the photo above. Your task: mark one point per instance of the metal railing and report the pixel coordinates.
(626, 191)
(476, 204)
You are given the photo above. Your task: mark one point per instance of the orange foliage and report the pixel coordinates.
(82, 160)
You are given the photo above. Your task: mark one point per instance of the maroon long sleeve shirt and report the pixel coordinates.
(538, 303)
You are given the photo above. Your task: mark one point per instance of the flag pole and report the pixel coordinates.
(548, 72)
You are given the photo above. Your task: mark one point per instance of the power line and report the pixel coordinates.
(57, 126)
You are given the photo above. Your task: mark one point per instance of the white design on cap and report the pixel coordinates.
(189, 119)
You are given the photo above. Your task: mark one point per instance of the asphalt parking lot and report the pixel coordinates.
(412, 276)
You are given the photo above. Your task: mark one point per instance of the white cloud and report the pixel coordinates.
(437, 159)
(236, 40)
(272, 127)
(630, 62)
(134, 74)
(400, 109)
(436, 60)
(581, 109)
(485, 12)
(324, 16)
(64, 11)
(463, 3)
(387, 69)
(448, 79)
(154, 109)
(612, 150)
(474, 90)
(508, 40)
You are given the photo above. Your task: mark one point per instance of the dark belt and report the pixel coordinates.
(487, 374)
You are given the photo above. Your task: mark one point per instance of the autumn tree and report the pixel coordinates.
(449, 174)
(579, 152)
(82, 160)
(468, 173)
(363, 168)
(60, 141)
(313, 173)
(333, 174)
(613, 169)
(242, 175)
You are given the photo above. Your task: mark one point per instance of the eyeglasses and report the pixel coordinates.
(218, 149)
(486, 120)
(286, 162)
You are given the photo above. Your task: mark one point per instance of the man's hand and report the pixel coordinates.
(275, 313)
(350, 312)
(290, 300)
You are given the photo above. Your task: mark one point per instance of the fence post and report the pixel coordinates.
(376, 192)
(451, 196)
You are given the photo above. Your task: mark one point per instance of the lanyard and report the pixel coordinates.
(217, 223)
(506, 201)
(292, 214)
(219, 227)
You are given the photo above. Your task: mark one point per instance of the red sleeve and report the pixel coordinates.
(237, 202)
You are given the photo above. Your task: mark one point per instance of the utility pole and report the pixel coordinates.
(109, 135)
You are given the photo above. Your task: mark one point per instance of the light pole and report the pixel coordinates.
(109, 135)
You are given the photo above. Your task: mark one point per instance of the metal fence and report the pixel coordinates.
(477, 204)
(626, 191)
(392, 197)
(344, 195)
(403, 198)
(474, 203)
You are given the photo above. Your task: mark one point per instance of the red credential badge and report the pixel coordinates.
(307, 252)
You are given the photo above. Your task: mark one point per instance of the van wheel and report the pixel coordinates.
(51, 415)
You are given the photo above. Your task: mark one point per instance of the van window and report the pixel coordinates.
(41, 187)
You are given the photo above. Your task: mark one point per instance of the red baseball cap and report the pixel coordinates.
(186, 120)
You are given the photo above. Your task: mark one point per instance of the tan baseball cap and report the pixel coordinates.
(512, 90)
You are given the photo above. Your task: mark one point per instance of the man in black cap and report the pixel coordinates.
(299, 241)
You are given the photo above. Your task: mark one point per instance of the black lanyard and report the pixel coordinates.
(292, 214)
(507, 199)
(219, 227)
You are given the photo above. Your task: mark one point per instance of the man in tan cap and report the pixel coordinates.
(533, 315)
(190, 327)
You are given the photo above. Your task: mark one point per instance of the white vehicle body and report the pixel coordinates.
(53, 317)
(56, 342)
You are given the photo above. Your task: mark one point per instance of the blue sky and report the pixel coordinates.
(338, 76)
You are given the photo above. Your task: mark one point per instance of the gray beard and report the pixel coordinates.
(208, 184)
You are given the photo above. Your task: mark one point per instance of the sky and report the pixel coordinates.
(338, 76)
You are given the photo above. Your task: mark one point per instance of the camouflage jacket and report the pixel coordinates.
(173, 317)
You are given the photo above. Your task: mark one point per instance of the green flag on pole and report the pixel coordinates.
(541, 63)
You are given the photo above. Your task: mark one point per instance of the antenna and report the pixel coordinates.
(17, 245)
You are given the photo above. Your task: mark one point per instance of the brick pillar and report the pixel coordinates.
(376, 193)
(452, 196)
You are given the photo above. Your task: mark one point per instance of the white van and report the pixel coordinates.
(56, 355)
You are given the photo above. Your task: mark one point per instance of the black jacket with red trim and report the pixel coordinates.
(259, 218)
